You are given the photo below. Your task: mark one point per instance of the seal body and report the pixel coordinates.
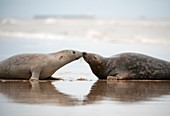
(36, 66)
(128, 66)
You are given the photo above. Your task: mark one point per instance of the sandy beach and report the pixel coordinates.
(89, 96)
(77, 69)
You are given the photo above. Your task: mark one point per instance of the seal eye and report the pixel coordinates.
(60, 57)
(74, 52)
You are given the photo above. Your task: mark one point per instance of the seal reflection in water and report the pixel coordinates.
(127, 91)
(128, 66)
(43, 92)
(36, 66)
(35, 92)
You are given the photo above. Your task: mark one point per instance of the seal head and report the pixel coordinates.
(97, 64)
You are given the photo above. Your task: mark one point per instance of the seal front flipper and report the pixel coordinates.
(35, 74)
(118, 76)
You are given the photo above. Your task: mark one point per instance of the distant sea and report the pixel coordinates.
(94, 29)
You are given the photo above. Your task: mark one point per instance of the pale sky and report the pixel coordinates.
(99, 8)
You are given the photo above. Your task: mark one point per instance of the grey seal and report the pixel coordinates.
(128, 66)
(36, 66)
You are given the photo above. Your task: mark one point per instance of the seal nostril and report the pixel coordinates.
(84, 53)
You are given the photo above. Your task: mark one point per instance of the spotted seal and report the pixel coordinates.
(128, 66)
(36, 66)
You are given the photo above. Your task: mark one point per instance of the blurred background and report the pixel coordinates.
(99, 8)
(106, 27)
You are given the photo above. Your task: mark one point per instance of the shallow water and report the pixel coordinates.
(88, 98)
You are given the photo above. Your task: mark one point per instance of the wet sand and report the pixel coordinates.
(95, 98)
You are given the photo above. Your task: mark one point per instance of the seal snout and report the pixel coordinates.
(84, 53)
